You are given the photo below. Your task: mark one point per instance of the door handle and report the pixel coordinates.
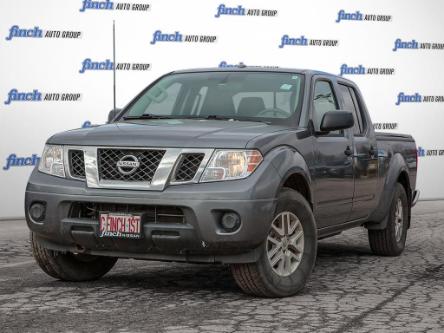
(348, 151)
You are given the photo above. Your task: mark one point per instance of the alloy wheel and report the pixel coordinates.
(285, 243)
(399, 220)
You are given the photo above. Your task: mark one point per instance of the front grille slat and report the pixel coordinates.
(148, 160)
(151, 214)
(188, 167)
(77, 164)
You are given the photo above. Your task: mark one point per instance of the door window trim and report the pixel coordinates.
(332, 83)
(357, 101)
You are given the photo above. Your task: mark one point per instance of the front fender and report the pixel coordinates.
(288, 161)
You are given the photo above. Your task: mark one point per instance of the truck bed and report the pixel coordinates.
(384, 136)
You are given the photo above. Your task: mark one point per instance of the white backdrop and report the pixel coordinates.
(40, 62)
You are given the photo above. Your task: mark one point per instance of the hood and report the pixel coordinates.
(173, 133)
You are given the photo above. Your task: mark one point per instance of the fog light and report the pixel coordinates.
(230, 222)
(37, 211)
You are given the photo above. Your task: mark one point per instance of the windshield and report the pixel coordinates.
(221, 95)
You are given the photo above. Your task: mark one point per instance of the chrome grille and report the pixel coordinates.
(150, 169)
(188, 167)
(148, 160)
(77, 164)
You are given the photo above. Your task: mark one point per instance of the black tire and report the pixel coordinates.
(68, 266)
(385, 242)
(259, 278)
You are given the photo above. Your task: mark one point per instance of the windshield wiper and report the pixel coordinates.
(210, 117)
(218, 117)
(147, 116)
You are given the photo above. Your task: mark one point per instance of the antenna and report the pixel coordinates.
(114, 65)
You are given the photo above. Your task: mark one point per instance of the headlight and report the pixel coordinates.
(231, 164)
(52, 161)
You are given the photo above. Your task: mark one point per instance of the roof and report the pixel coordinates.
(240, 68)
(243, 68)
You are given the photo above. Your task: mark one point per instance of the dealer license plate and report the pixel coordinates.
(120, 225)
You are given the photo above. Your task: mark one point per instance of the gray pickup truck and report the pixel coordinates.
(242, 166)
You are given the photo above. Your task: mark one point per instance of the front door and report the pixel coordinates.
(333, 170)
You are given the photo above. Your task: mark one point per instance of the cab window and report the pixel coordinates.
(350, 106)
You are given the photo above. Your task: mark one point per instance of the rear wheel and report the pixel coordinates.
(288, 252)
(391, 240)
(69, 266)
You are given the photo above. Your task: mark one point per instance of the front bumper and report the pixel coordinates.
(198, 239)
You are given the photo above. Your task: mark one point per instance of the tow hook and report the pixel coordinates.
(80, 248)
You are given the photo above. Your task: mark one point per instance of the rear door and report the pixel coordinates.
(365, 156)
(333, 168)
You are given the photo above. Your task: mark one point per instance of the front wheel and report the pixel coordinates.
(69, 266)
(288, 253)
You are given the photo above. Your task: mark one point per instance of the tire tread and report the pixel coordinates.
(42, 257)
(248, 279)
(60, 265)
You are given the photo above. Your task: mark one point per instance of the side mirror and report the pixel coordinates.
(336, 120)
(112, 114)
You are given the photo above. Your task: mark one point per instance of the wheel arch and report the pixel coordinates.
(294, 172)
(404, 180)
(296, 180)
(397, 172)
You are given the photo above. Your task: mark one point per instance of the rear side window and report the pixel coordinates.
(324, 101)
(350, 104)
